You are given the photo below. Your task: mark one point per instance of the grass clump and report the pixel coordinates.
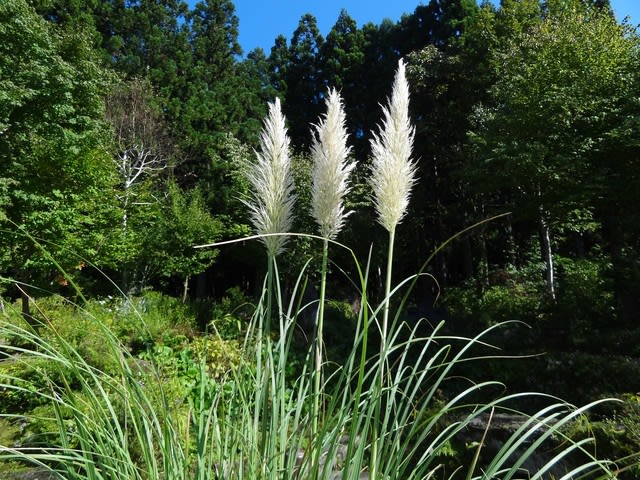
(249, 423)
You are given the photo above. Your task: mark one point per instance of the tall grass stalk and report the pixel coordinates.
(271, 209)
(393, 175)
(319, 340)
(330, 185)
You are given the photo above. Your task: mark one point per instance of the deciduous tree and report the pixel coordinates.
(52, 146)
(562, 85)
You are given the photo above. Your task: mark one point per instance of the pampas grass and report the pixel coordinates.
(393, 173)
(271, 179)
(331, 170)
(120, 425)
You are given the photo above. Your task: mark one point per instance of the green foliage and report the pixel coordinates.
(51, 89)
(511, 296)
(542, 139)
(161, 234)
(303, 80)
(23, 381)
(225, 185)
(209, 105)
(302, 249)
(553, 87)
(519, 301)
(143, 320)
(626, 443)
(617, 434)
(185, 223)
(180, 361)
(35, 370)
(137, 322)
(191, 402)
(586, 303)
(74, 325)
(342, 55)
(231, 315)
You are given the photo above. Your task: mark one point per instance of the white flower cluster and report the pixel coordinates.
(393, 173)
(272, 181)
(330, 168)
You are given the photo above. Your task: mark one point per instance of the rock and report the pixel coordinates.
(339, 456)
(29, 474)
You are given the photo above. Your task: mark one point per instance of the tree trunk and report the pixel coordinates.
(125, 232)
(26, 307)
(483, 267)
(547, 255)
(185, 289)
(510, 250)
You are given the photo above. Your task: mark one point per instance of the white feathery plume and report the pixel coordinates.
(393, 173)
(271, 208)
(330, 168)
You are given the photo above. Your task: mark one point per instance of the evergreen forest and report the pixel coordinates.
(127, 128)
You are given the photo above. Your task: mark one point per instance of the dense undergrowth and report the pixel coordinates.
(142, 369)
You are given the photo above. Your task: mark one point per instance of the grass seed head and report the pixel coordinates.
(271, 179)
(331, 169)
(393, 173)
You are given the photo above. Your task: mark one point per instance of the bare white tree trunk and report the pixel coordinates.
(547, 255)
(185, 288)
(143, 146)
(134, 163)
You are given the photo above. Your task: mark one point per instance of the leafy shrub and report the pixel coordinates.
(77, 328)
(512, 299)
(23, 379)
(139, 320)
(585, 304)
(8, 432)
(179, 361)
(231, 315)
(519, 301)
(617, 435)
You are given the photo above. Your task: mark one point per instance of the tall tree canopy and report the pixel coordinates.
(547, 136)
(52, 147)
(520, 105)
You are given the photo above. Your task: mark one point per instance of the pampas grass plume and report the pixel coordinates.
(393, 173)
(271, 179)
(330, 168)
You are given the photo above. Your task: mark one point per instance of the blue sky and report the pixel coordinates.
(261, 21)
